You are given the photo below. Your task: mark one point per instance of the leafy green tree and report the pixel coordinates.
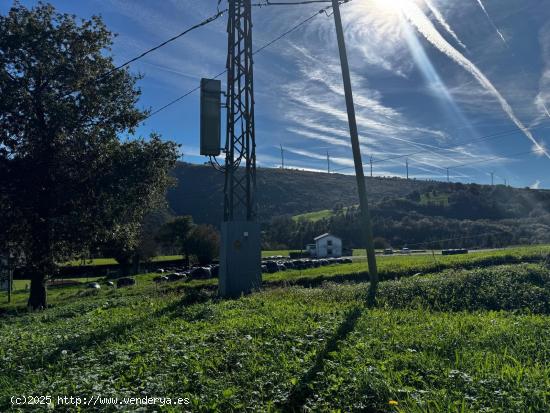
(204, 243)
(381, 243)
(176, 234)
(68, 182)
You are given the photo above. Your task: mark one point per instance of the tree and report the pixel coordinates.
(176, 234)
(381, 243)
(204, 242)
(131, 253)
(68, 182)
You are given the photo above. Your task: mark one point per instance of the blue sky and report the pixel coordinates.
(429, 77)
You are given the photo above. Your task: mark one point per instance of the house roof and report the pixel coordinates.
(326, 234)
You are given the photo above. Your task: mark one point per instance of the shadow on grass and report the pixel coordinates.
(118, 331)
(304, 388)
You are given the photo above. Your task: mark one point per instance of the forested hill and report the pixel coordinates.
(199, 191)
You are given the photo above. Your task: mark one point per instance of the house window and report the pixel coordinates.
(329, 243)
(329, 251)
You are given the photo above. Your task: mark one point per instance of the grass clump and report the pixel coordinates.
(508, 287)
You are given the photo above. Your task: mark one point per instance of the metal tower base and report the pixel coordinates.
(240, 265)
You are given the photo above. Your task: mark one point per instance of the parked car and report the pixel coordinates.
(215, 270)
(388, 251)
(125, 282)
(281, 266)
(160, 279)
(94, 286)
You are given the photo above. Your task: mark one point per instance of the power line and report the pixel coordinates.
(496, 158)
(164, 43)
(265, 46)
(170, 40)
(180, 98)
(478, 139)
(291, 3)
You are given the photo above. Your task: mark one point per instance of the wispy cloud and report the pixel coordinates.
(441, 20)
(542, 100)
(417, 18)
(491, 22)
(535, 185)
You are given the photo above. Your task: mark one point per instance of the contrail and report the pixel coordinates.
(491, 22)
(418, 19)
(439, 17)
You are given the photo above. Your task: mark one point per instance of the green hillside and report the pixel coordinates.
(295, 206)
(199, 191)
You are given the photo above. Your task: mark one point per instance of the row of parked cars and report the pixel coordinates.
(271, 266)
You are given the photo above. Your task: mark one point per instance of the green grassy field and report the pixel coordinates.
(389, 267)
(112, 261)
(283, 253)
(440, 199)
(472, 335)
(314, 216)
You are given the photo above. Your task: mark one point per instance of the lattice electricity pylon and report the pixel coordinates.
(240, 180)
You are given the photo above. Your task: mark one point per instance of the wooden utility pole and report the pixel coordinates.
(282, 158)
(359, 174)
(328, 162)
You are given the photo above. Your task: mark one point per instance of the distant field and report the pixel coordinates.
(112, 261)
(395, 266)
(461, 341)
(389, 267)
(19, 285)
(440, 199)
(283, 253)
(316, 215)
(313, 216)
